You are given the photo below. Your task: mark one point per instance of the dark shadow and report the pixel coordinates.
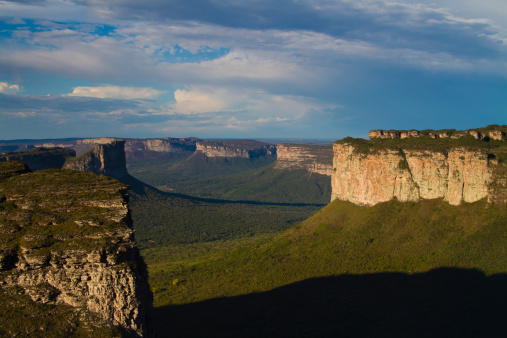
(140, 188)
(445, 302)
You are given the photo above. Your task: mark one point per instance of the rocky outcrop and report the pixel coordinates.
(66, 238)
(313, 158)
(105, 158)
(158, 148)
(493, 132)
(235, 148)
(367, 175)
(143, 149)
(40, 158)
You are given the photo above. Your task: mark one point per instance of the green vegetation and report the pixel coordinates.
(22, 317)
(426, 142)
(235, 179)
(162, 219)
(341, 239)
(56, 209)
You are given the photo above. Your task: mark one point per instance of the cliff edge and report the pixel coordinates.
(313, 158)
(460, 169)
(104, 158)
(66, 240)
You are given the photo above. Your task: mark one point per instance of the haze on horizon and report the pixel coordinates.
(316, 69)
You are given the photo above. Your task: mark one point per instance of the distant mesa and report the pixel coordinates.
(104, 158)
(142, 149)
(249, 149)
(40, 158)
(313, 158)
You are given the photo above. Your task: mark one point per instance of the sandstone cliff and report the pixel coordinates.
(105, 158)
(313, 158)
(235, 148)
(40, 158)
(494, 132)
(142, 149)
(464, 170)
(66, 239)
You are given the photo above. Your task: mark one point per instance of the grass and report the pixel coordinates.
(342, 239)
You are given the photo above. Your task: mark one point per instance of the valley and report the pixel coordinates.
(241, 241)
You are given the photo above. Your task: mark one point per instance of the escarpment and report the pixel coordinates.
(40, 158)
(235, 148)
(107, 159)
(465, 169)
(66, 239)
(142, 149)
(313, 158)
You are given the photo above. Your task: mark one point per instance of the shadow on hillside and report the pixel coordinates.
(140, 188)
(445, 302)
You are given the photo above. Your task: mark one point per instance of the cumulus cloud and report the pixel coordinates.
(7, 88)
(117, 92)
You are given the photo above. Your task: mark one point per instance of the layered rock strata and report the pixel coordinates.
(313, 158)
(40, 158)
(66, 238)
(235, 148)
(107, 159)
(490, 132)
(140, 149)
(367, 176)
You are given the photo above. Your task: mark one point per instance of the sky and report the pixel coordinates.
(316, 69)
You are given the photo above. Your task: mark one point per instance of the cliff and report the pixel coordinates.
(458, 170)
(66, 240)
(143, 149)
(494, 132)
(40, 158)
(158, 148)
(104, 158)
(235, 148)
(313, 158)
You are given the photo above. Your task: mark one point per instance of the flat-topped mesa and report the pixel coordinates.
(40, 158)
(313, 158)
(457, 170)
(142, 149)
(155, 148)
(67, 240)
(107, 159)
(490, 132)
(249, 149)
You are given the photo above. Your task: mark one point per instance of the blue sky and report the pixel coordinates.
(249, 69)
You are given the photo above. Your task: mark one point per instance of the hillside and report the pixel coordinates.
(363, 257)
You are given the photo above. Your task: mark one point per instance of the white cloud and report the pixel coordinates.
(7, 88)
(116, 92)
(198, 101)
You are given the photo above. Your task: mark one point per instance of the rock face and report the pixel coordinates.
(66, 238)
(367, 175)
(235, 148)
(313, 158)
(493, 132)
(107, 159)
(158, 148)
(40, 158)
(143, 149)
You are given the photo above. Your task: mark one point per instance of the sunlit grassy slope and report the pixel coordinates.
(345, 239)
